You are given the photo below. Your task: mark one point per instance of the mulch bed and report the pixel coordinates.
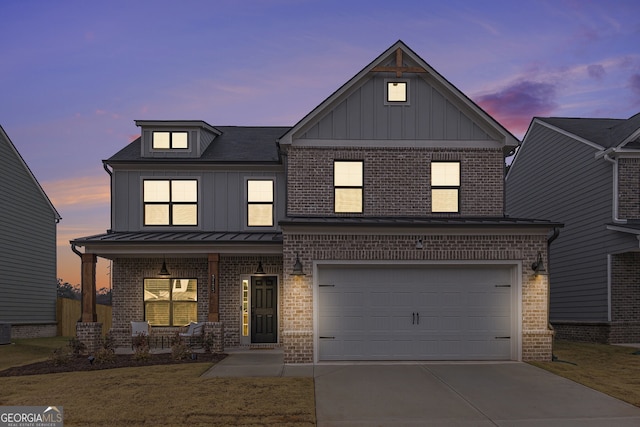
(81, 363)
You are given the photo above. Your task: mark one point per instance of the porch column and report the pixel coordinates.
(214, 288)
(88, 284)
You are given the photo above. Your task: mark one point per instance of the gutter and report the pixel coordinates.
(606, 155)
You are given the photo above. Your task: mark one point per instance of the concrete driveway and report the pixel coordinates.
(463, 394)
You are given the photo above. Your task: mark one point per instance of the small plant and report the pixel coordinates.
(76, 346)
(141, 347)
(60, 356)
(104, 355)
(108, 342)
(179, 350)
(207, 342)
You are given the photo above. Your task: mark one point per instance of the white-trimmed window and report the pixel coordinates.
(170, 140)
(170, 201)
(445, 187)
(170, 302)
(260, 203)
(348, 183)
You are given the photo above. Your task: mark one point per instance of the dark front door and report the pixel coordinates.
(264, 309)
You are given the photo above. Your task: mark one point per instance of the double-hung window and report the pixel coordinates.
(170, 140)
(347, 182)
(170, 302)
(260, 203)
(170, 201)
(445, 187)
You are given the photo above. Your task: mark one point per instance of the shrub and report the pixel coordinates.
(104, 355)
(108, 342)
(179, 350)
(60, 356)
(76, 346)
(207, 342)
(141, 347)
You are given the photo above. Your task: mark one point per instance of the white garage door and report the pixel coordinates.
(415, 313)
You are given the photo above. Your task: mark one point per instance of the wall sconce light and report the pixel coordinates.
(163, 271)
(213, 283)
(419, 244)
(259, 270)
(297, 268)
(538, 266)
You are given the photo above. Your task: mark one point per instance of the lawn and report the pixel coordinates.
(164, 395)
(24, 351)
(611, 369)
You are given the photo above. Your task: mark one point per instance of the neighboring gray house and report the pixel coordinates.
(585, 173)
(373, 229)
(27, 248)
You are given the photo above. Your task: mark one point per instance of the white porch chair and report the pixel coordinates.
(194, 331)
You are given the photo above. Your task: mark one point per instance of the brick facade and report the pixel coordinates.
(34, 330)
(128, 302)
(628, 184)
(397, 181)
(297, 301)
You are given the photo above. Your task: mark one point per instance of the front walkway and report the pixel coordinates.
(257, 363)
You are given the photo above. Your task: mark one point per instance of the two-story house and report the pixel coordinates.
(373, 229)
(585, 172)
(28, 223)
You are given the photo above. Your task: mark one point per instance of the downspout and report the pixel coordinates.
(550, 239)
(607, 157)
(106, 168)
(75, 250)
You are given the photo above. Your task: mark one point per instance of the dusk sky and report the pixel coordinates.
(76, 74)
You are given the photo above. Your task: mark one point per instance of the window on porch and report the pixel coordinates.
(170, 302)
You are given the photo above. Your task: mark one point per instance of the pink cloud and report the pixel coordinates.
(78, 192)
(515, 105)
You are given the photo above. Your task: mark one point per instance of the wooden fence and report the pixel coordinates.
(68, 312)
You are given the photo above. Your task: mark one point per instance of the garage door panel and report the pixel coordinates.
(414, 313)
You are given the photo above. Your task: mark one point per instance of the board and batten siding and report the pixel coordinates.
(428, 115)
(222, 204)
(27, 244)
(558, 178)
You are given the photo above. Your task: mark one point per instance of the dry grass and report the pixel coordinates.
(170, 395)
(24, 351)
(613, 370)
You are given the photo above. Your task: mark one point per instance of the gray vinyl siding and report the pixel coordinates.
(222, 202)
(557, 178)
(27, 244)
(428, 115)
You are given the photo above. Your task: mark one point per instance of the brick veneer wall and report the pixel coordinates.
(628, 184)
(397, 181)
(37, 330)
(625, 298)
(127, 293)
(297, 300)
(232, 267)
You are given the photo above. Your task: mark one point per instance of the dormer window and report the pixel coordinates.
(170, 140)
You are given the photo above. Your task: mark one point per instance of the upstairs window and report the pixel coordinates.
(347, 181)
(170, 202)
(445, 187)
(170, 302)
(170, 140)
(260, 203)
(397, 92)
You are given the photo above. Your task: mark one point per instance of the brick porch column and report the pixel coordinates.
(214, 288)
(88, 284)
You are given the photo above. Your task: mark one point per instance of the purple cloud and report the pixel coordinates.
(634, 84)
(596, 71)
(515, 105)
